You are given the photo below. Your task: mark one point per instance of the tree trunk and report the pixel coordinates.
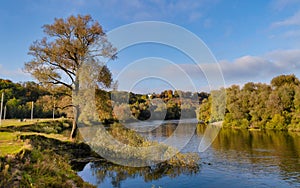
(75, 109)
(74, 123)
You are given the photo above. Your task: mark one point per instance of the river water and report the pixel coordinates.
(236, 158)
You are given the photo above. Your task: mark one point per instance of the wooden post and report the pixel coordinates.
(2, 98)
(32, 111)
(53, 111)
(4, 115)
(53, 100)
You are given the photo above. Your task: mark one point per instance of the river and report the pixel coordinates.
(236, 158)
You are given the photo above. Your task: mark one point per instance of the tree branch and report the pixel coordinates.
(67, 106)
(59, 82)
(65, 70)
(69, 73)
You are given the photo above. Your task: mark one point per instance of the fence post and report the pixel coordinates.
(2, 98)
(31, 110)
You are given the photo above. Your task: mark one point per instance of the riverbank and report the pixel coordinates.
(38, 155)
(41, 155)
(253, 128)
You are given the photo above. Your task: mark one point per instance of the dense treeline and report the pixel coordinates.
(171, 105)
(256, 105)
(18, 98)
(166, 105)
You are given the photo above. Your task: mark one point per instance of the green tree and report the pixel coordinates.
(258, 107)
(284, 79)
(69, 44)
(277, 122)
(274, 106)
(17, 109)
(204, 112)
(218, 104)
(44, 106)
(295, 121)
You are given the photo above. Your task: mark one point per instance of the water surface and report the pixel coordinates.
(236, 158)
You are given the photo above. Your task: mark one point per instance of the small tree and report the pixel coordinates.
(68, 45)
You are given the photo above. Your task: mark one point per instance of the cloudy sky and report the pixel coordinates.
(251, 40)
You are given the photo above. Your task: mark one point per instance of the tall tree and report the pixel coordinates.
(69, 44)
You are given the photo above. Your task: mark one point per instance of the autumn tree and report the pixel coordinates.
(281, 80)
(257, 105)
(69, 44)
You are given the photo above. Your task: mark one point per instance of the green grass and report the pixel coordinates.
(11, 148)
(18, 123)
(37, 154)
(4, 136)
(12, 129)
(10, 144)
(45, 162)
(39, 169)
(54, 136)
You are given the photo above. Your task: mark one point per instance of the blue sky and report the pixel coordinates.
(252, 40)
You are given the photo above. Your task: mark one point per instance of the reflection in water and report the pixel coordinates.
(104, 171)
(238, 158)
(261, 152)
(211, 132)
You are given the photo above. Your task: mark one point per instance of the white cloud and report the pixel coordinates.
(239, 71)
(292, 33)
(251, 68)
(263, 68)
(290, 21)
(246, 67)
(288, 60)
(14, 75)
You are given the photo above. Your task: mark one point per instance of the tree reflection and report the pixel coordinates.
(262, 151)
(117, 173)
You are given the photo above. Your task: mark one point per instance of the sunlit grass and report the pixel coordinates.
(11, 148)
(54, 136)
(39, 168)
(6, 136)
(10, 144)
(17, 122)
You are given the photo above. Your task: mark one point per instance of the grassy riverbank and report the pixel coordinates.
(37, 154)
(40, 154)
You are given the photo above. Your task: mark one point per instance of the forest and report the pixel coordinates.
(18, 98)
(252, 106)
(259, 105)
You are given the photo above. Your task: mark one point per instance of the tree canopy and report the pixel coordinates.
(69, 44)
(257, 105)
